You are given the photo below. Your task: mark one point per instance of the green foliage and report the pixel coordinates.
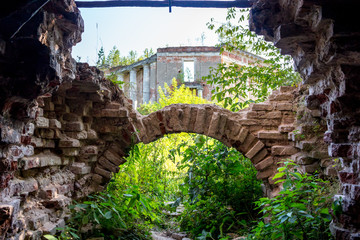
(300, 211)
(114, 59)
(65, 234)
(219, 189)
(237, 86)
(172, 95)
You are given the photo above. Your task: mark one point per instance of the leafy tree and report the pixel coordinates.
(114, 59)
(236, 86)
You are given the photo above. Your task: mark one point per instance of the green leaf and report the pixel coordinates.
(50, 237)
(279, 175)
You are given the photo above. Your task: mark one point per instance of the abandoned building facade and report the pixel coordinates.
(187, 64)
(65, 129)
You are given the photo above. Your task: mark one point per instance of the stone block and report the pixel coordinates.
(273, 135)
(80, 168)
(200, 121)
(262, 107)
(248, 142)
(113, 105)
(286, 128)
(283, 150)
(311, 168)
(74, 126)
(49, 106)
(49, 228)
(78, 135)
(17, 186)
(254, 150)
(97, 178)
(71, 117)
(48, 192)
(264, 163)
(287, 89)
(259, 156)
(43, 159)
(91, 134)
(89, 150)
(47, 133)
(71, 152)
(242, 135)
(114, 113)
(284, 106)
(106, 164)
(69, 143)
(62, 108)
(265, 174)
(42, 122)
(281, 97)
(104, 173)
(53, 123)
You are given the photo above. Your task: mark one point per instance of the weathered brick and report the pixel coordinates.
(74, 126)
(286, 128)
(242, 135)
(17, 186)
(284, 106)
(43, 159)
(259, 156)
(275, 135)
(281, 97)
(264, 163)
(69, 143)
(99, 170)
(114, 157)
(265, 174)
(80, 168)
(47, 133)
(70, 151)
(42, 122)
(262, 107)
(89, 150)
(247, 143)
(53, 123)
(254, 150)
(71, 117)
(114, 113)
(200, 121)
(108, 165)
(78, 135)
(283, 150)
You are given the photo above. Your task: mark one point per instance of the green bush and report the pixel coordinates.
(300, 211)
(219, 189)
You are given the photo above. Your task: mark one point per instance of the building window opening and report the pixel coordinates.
(189, 71)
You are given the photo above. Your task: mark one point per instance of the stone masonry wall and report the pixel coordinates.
(65, 129)
(323, 39)
(83, 132)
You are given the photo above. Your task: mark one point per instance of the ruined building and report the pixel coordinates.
(65, 129)
(187, 64)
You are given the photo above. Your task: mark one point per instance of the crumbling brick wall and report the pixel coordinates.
(65, 139)
(323, 39)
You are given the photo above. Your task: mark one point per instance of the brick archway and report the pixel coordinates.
(259, 132)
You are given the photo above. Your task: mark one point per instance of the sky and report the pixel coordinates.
(139, 28)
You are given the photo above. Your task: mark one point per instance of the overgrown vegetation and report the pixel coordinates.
(300, 211)
(236, 86)
(216, 185)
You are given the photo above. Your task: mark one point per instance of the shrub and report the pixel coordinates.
(300, 211)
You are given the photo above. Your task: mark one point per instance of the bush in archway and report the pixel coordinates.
(219, 190)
